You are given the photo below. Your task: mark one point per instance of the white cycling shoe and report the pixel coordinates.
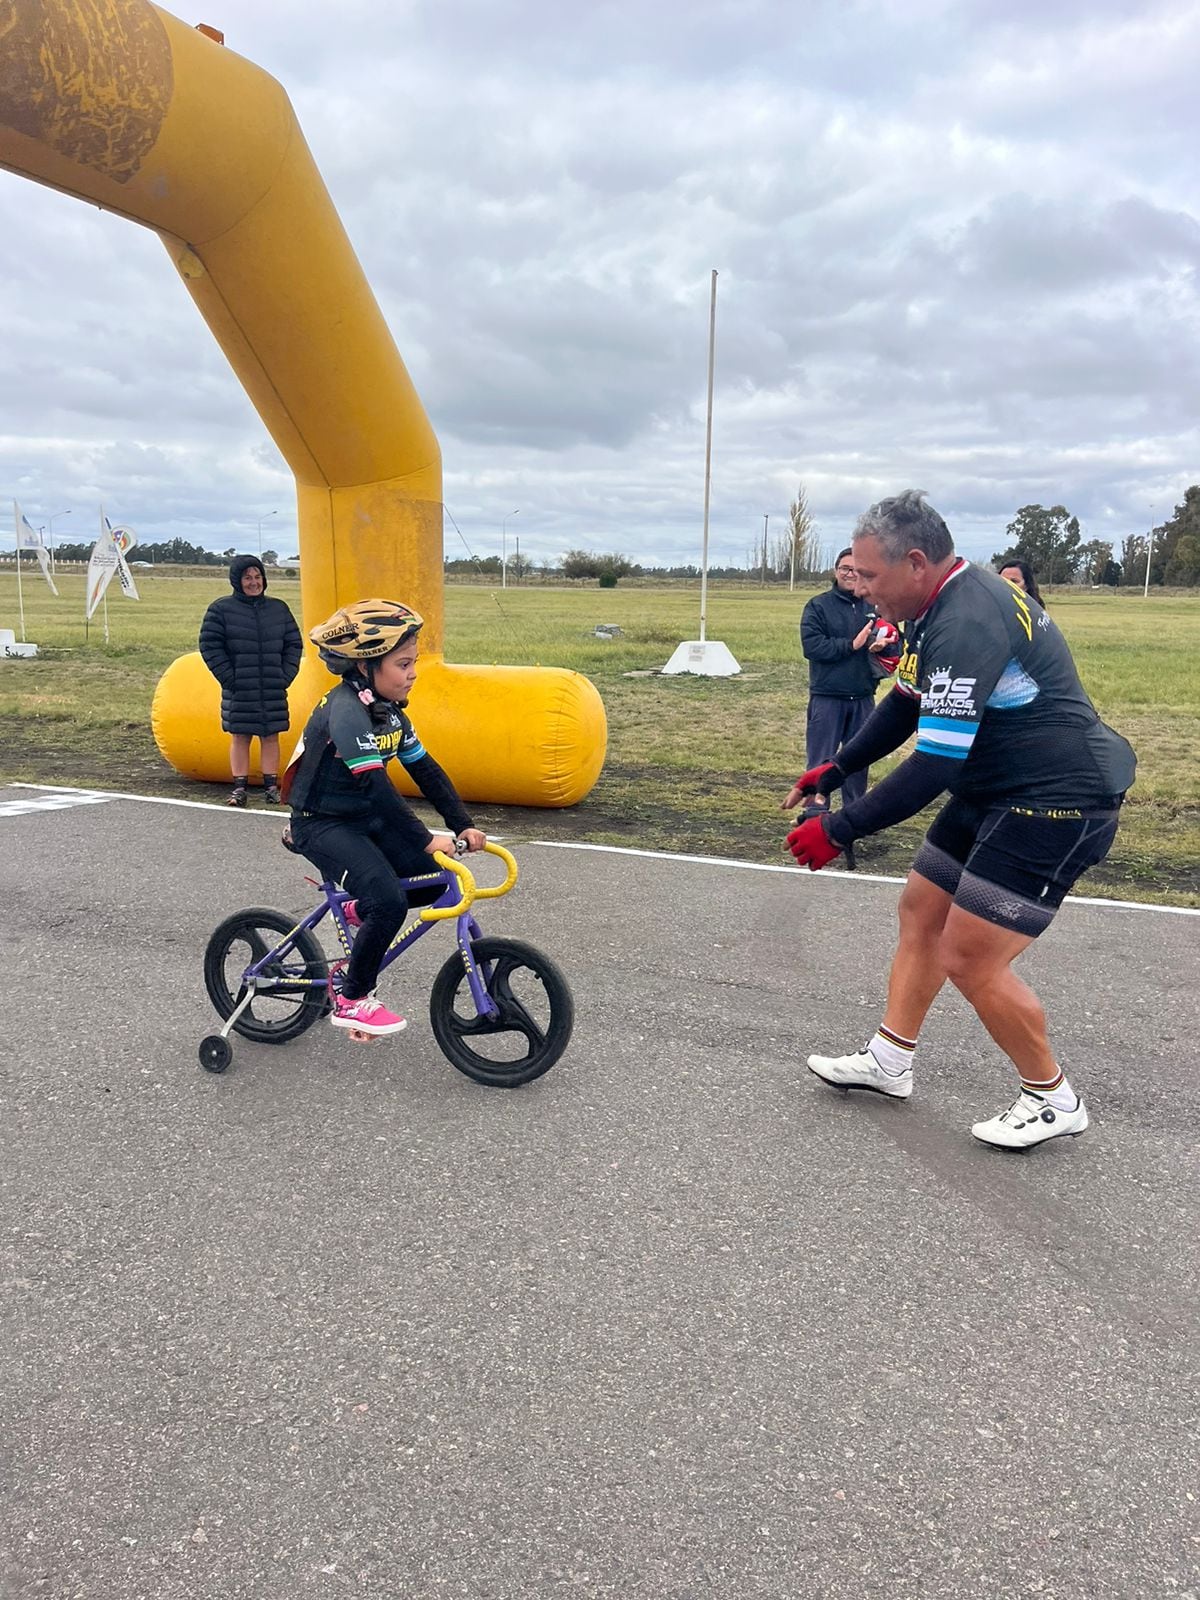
(1030, 1120)
(861, 1071)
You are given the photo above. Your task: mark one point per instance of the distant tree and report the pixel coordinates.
(801, 537)
(580, 564)
(1184, 565)
(1133, 559)
(1095, 557)
(1048, 538)
(1176, 542)
(271, 557)
(519, 567)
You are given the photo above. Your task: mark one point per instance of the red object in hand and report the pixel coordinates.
(810, 782)
(811, 845)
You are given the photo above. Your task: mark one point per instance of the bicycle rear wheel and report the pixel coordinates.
(290, 1005)
(536, 1014)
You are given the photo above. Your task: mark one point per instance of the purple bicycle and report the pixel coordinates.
(501, 1011)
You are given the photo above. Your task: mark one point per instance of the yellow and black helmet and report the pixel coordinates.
(364, 631)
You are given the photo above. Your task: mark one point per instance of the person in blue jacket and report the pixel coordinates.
(252, 647)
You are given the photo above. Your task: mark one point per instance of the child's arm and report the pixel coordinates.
(440, 792)
(394, 809)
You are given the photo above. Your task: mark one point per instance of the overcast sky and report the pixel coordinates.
(958, 248)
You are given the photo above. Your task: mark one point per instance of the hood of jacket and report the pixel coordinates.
(241, 564)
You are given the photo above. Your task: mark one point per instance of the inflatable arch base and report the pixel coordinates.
(519, 736)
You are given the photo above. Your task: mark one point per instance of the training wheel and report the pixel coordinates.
(215, 1053)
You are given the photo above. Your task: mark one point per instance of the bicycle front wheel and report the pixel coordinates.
(287, 1002)
(536, 1014)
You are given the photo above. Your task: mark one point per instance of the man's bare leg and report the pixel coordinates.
(884, 1065)
(977, 957)
(917, 970)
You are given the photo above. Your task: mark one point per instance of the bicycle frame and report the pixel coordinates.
(459, 891)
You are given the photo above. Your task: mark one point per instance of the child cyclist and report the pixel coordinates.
(346, 816)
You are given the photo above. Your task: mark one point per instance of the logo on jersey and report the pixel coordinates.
(949, 696)
(365, 741)
(906, 672)
(388, 741)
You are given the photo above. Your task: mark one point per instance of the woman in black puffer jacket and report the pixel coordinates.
(252, 647)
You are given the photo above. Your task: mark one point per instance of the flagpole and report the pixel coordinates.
(20, 592)
(712, 337)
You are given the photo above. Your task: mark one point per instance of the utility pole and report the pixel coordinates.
(766, 519)
(504, 548)
(50, 525)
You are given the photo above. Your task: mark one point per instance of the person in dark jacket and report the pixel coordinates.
(252, 647)
(836, 630)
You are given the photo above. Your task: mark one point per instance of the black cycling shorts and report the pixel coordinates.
(1010, 866)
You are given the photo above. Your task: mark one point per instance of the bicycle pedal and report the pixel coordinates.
(358, 1037)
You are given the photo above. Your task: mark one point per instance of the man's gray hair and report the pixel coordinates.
(904, 523)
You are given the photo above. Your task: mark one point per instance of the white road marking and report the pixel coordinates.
(53, 802)
(281, 813)
(830, 877)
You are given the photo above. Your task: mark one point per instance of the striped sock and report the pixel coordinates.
(1056, 1092)
(892, 1051)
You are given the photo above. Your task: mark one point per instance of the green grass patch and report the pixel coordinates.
(698, 765)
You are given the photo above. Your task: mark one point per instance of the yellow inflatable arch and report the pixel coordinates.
(121, 104)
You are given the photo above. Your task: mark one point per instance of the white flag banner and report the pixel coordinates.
(125, 539)
(30, 538)
(108, 556)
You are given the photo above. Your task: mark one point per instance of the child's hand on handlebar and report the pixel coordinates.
(472, 839)
(441, 841)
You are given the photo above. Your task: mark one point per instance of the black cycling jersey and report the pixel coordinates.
(987, 683)
(337, 769)
(1000, 697)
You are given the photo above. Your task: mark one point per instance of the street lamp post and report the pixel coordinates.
(504, 548)
(50, 526)
(766, 519)
(261, 520)
(1149, 553)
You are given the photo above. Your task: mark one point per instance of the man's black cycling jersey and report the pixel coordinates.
(343, 746)
(1001, 718)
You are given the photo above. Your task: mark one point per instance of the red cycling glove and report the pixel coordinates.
(823, 779)
(811, 844)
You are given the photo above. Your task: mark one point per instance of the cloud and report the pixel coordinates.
(957, 247)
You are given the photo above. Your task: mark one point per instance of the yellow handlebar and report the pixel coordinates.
(466, 885)
(470, 890)
(510, 879)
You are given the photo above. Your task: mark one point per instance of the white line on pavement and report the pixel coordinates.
(93, 796)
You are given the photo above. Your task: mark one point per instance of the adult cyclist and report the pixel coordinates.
(1036, 780)
(346, 816)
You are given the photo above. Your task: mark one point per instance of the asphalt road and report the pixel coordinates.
(674, 1321)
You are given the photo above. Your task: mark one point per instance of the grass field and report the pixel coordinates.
(693, 764)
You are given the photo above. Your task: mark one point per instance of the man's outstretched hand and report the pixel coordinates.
(822, 780)
(811, 845)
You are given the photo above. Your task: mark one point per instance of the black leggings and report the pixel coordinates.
(367, 859)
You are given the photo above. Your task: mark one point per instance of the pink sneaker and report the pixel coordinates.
(350, 912)
(365, 1016)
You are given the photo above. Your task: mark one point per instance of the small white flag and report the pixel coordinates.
(30, 538)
